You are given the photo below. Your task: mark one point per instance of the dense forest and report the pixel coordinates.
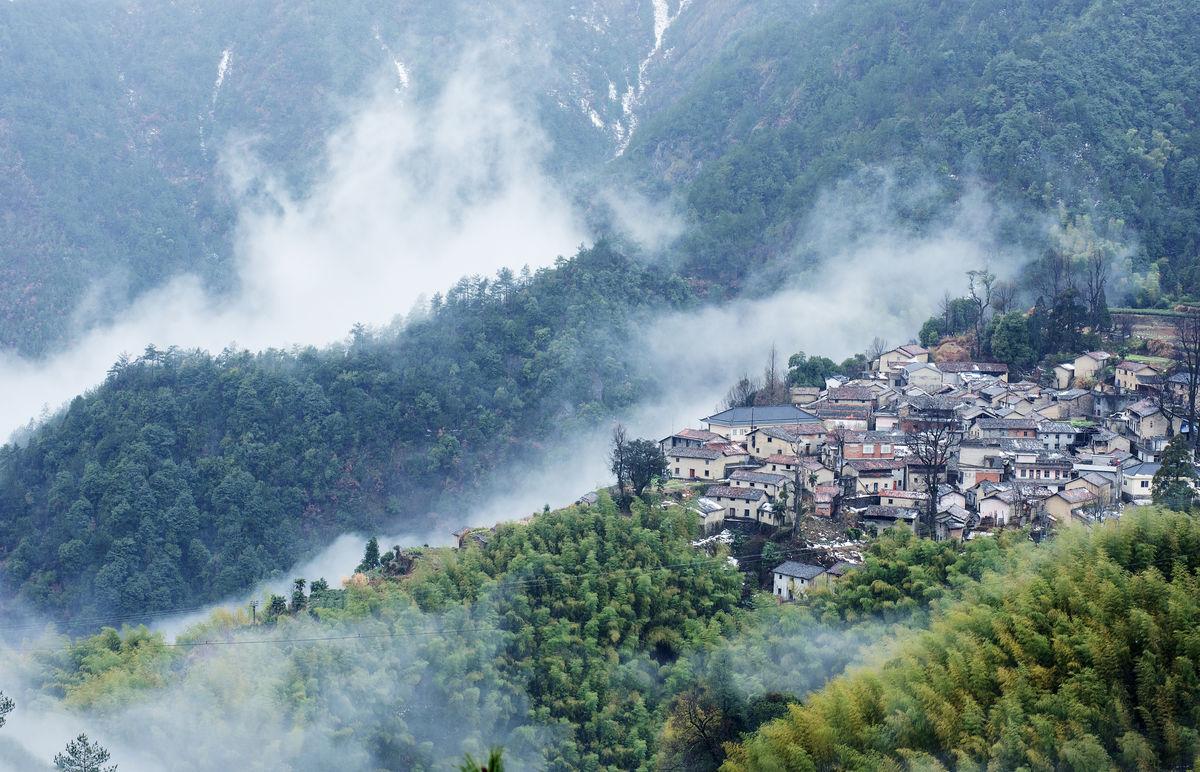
(596, 639)
(1088, 105)
(748, 114)
(1086, 659)
(260, 455)
(116, 120)
(585, 639)
(186, 477)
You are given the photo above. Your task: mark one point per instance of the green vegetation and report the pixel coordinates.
(111, 180)
(1175, 481)
(1086, 659)
(597, 640)
(187, 477)
(1147, 311)
(725, 689)
(1150, 360)
(84, 755)
(601, 640)
(1075, 108)
(550, 636)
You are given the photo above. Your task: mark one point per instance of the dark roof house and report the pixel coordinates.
(798, 570)
(761, 416)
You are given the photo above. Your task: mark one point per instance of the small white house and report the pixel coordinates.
(793, 579)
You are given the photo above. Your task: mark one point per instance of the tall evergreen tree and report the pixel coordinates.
(370, 556)
(83, 755)
(298, 599)
(1174, 482)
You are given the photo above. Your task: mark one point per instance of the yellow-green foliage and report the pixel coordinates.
(1086, 659)
(107, 669)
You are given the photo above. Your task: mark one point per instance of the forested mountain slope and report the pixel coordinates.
(1086, 661)
(1088, 102)
(114, 118)
(186, 477)
(576, 641)
(1091, 104)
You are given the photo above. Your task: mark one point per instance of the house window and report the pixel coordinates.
(868, 449)
(885, 448)
(676, 471)
(705, 473)
(747, 512)
(875, 489)
(1145, 483)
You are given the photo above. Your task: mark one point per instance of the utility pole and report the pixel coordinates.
(254, 612)
(795, 491)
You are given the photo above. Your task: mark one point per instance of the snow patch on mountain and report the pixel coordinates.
(402, 74)
(222, 71)
(663, 19)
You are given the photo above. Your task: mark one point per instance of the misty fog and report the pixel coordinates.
(412, 198)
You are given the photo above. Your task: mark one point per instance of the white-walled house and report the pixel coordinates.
(792, 579)
(707, 463)
(737, 423)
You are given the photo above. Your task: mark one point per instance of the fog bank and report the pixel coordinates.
(411, 198)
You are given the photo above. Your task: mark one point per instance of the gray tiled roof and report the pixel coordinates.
(730, 492)
(798, 570)
(767, 414)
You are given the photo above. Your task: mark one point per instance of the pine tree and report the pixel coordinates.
(298, 599)
(6, 706)
(370, 556)
(83, 755)
(1174, 481)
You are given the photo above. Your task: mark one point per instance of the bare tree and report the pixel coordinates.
(1178, 400)
(933, 437)
(1030, 508)
(1004, 294)
(1095, 279)
(774, 390)
(741, 394)
(979, 290)
(944, 308)
(798, 487)
(876, 349)
(1052, 277)
(618, 460)
(836, 438)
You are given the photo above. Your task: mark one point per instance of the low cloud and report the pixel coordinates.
(376, 693)
(412, 197)
(856, 273)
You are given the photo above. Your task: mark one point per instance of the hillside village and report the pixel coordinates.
(865, 452)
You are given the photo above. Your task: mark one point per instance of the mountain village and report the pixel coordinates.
(952, 450)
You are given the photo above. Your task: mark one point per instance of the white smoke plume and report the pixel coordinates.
(412, 197)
